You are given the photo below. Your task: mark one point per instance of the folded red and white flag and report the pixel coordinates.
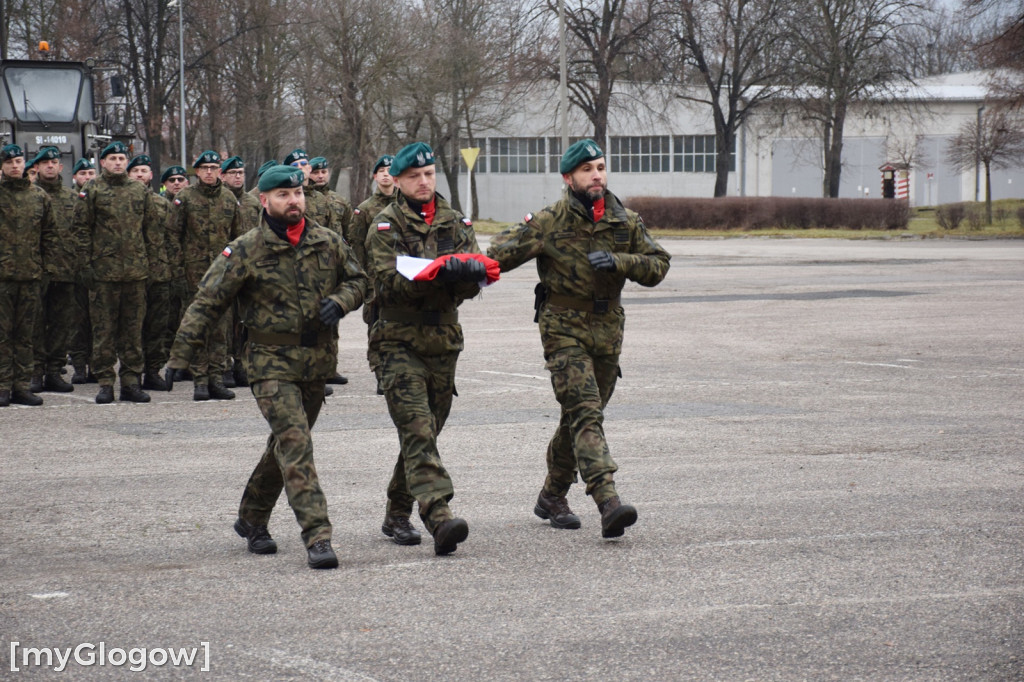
(424, 269)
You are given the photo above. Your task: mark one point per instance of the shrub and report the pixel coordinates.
(949, 216)
(975, 218)
(1020, 216)
(760, 213)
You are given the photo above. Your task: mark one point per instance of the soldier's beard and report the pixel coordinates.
(592, 193)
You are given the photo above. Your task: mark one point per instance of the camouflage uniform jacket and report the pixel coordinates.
(204, 219)
(110, 222)
(340, 207)
(279, 288)
(360, 223)
(63, 260)
(251, 208)
(560, 237)
(320, 210)
(164, 253)
(398, 231)
(27, 230)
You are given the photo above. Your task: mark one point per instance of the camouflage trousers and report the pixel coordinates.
(156, 340)
(211, 359)
(419, 392)
(80, 342)
(58, 315)
(291, 409)
(117, 310)
(19, 307)
(583, 386)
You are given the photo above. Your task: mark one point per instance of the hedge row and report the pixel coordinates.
(761, 213)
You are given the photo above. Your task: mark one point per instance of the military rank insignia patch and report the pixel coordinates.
(226, 252)
(383, 226)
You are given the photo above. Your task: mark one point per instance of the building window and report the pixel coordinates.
(514, 155)
(696, 154)
(635, 154)
(555, 145)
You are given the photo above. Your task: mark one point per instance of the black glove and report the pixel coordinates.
(602, 260)
(452, 270)
(330, 313)
(473, 271)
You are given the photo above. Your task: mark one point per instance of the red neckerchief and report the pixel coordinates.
(429, 210)
(295, 232)
(598, 209)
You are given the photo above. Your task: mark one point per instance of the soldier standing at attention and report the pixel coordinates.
(293, 281)
(207, 216)
(27, 237)
(384, 195)
(266, 165)
(320, 180)
(586, 245)
(232, 174)
(173, 180)
(419, 338)
(164, 266)
(58, 313)
(110, 222)
(80, 343)
(317, 206)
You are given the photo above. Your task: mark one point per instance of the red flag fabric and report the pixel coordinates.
(430, 272)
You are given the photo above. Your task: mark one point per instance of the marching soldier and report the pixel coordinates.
(419, 338)
(27, 237)
(586, 245)
(293, 281)
(111, 221)
(207, 216)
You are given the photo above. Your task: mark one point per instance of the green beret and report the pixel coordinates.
(47, 154)
(267, 165)
(10, 151)
(383, 162)
(209, 156)
(584, 150)
(281, 176)
(415, 155)
(114, 148)
(297, 154)
(140, 160)
(173, 171)
(318, 163)
(82, 164)
(232, 163)
(30, 162)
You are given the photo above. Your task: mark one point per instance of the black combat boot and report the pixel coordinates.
(152, 381)
(200, 392)
(257, 538)
(321, 555)
(337, 379)
(218, 391)
(80, 376)
(5, 397)
(133, 394)
(35, 384)
(241, 377)
(182, 375)
(448, 535)
(55, 382)
(556, 509)
(615, 517)
(105, 396)
(228, 379)
(399, 529)
(328, 390)
(20, 396)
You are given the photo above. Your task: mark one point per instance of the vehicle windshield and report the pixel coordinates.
(49, 95)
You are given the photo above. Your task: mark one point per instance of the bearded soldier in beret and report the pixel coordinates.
(207, 216)
(586, 245)
(58, 312)
(111, 221)
(293, 281)
(27, 236)
(419, 338)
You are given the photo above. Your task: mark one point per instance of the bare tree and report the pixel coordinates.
(994, 140)
(1003, 46)
(935, 43)
(740, 50)
(845, 53)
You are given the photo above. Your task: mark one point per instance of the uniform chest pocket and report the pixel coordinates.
(620, 240)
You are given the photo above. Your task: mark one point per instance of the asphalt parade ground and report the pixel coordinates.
(824, 440)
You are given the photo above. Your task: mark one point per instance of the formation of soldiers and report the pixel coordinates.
(264, 278)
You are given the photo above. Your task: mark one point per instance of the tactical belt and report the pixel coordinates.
(586, 305)
(418, 317)
(306, 339)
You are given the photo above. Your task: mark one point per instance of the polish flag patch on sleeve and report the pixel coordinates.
(528, 218)
(468, 222)
(226, 252)
(356, 211)
(177, 202)
(383, 226)
(81, 195)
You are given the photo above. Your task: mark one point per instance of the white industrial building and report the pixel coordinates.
(662, 145)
